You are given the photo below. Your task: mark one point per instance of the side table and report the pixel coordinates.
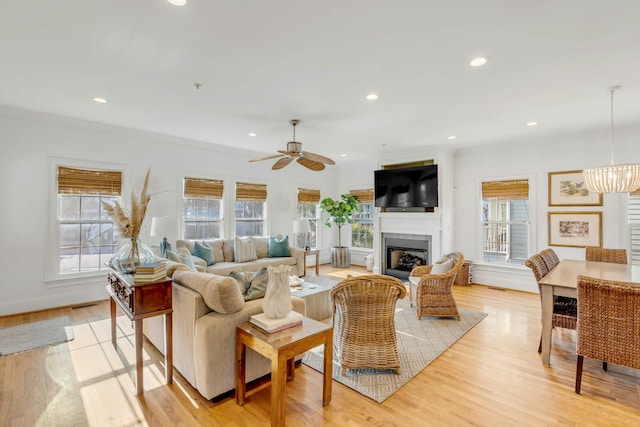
(281, 348)
(315, 252)
(139, 301)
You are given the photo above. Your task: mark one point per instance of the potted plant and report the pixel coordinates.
(340, 212)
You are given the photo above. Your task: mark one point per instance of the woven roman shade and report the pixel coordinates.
(203, 188)
(363, 196)
(306, 195)
(89, 181)
(515, 189)
(635, 192)
(246, 192)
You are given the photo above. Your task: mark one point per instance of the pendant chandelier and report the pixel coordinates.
(613, 178)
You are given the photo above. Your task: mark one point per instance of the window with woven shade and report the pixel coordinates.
(505, 221)
(362, 226)
(250, 209)
(307, 209)
(633, 215)
(202, 208)
(85, 232)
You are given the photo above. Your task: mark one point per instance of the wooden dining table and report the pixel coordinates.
(563, 280)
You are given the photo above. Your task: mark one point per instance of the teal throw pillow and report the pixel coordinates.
(186, 260)
(253, 285)
(278, 248)
(205, 251)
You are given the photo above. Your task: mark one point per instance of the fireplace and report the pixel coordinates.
(401, 252)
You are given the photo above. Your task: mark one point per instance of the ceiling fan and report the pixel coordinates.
(312, 161)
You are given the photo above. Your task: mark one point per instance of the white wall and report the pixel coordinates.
(534, 159)
(30, 139)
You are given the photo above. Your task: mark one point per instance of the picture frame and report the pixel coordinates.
(567, 188)
(575, 229)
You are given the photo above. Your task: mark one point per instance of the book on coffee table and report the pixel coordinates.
(274, 325)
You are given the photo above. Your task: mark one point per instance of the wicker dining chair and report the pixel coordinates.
(434, 293)
(564, 308)
(608, 323)
(550, 258)
(364, 331)
(616, 256)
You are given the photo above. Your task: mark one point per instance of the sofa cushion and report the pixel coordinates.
(262, 246)
(221, 294)
(279, 248)
(252, 283)
(204, 251)
(228, 249)
(183, 259)
(244, 249)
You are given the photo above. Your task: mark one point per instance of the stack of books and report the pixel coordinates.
(275, 325)
(150, 273)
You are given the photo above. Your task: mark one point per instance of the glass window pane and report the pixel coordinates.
(90, 208)
(69, 208)
(69, 235)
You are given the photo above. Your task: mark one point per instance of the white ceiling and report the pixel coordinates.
(262, 63)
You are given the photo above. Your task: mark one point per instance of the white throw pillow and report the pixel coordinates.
(244, 249)
(442, 268)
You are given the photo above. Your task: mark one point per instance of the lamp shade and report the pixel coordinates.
(301, 226)
(163, 226)
(613, 179)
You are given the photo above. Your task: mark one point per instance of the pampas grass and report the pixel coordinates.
(130, 225)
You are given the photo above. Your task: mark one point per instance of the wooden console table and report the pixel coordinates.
(139, 301)
(281, 348)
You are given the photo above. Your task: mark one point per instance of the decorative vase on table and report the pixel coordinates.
(277, 300)
(131, 254)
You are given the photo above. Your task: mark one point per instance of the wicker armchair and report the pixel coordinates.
(550, 258)
(608, 323)
(564, 308)
(364, 331)
(616, 256)
(434, 294)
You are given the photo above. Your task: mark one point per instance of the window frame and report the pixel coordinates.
(53, 277)
(183, 200)
(633, 222)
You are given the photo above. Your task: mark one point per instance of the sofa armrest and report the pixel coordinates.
(299, 255)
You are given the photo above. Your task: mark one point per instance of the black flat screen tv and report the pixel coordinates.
(415, 187)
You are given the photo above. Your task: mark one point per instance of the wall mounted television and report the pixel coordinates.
(414, 187)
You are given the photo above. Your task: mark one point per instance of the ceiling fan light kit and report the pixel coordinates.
(613, 178)
(311, 161)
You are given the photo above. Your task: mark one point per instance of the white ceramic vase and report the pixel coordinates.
(277, 300)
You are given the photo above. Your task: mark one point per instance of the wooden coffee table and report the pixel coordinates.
(281, 348)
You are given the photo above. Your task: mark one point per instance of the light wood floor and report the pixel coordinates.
(491, 377)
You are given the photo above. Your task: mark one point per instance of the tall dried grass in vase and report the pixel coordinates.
(130, 225)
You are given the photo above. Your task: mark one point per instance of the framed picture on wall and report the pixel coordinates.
(568, 188)
(575, 229)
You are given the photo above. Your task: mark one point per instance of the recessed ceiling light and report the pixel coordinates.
(252, 134)
(479, 61)
(100, 100)
(372, 96)
(532, 123)
(178, 2)
(343, 155)
(451, 137)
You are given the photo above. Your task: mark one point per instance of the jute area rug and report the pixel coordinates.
(16, 339)
(419, 342)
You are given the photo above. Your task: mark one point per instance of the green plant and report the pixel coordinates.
(340, 211)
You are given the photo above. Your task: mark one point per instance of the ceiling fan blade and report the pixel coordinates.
(318, 158)
(266, 158)
(310, 164)
(289, 153)
(281, 163)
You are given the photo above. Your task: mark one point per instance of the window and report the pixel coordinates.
(307, 208)
(505, 221)
(362, 227)
(86, 238)
(250, 209)
(633, 214)
(202, 214)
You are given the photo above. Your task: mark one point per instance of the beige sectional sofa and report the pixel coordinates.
(207, 308)
(224, 256)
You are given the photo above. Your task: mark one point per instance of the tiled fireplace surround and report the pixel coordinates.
(413, 225)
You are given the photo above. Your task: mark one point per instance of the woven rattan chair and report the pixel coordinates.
(616, 256)
(550, 258)
(608, 323)
(564, 308)
(364, 331)
(434, 293)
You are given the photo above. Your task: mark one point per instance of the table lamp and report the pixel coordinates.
(301, 226)
(162, 226)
